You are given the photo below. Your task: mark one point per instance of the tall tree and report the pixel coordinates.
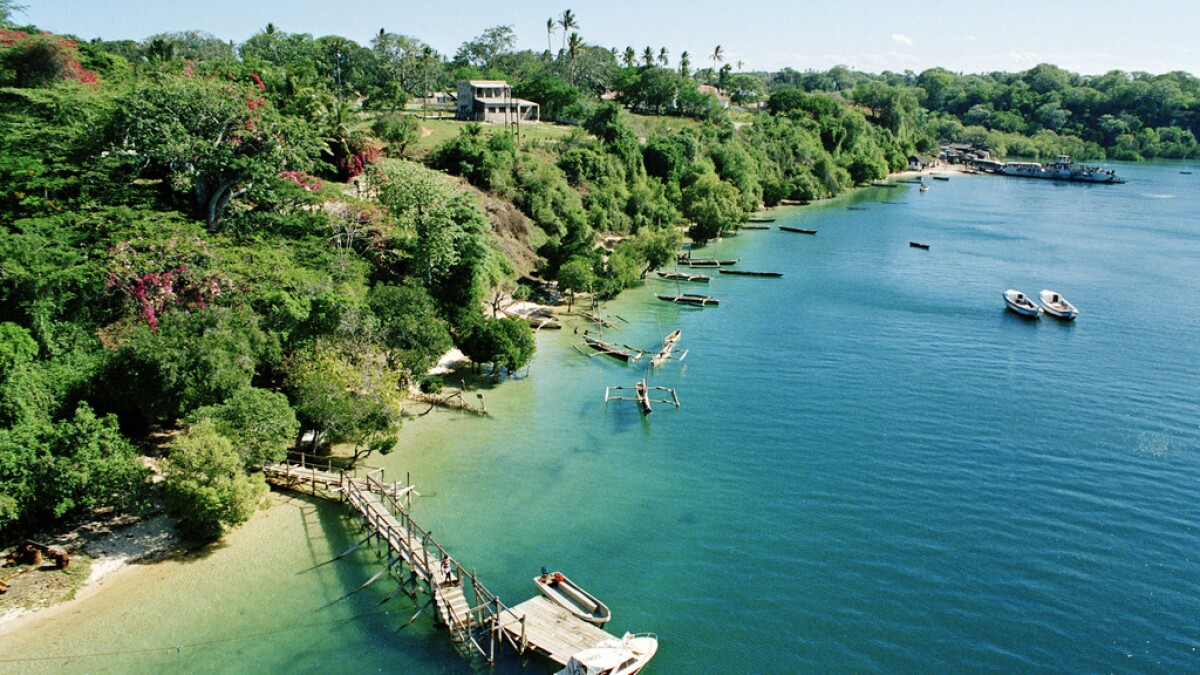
(549, 33)
(629, 58)
(574, 46)
(718, 57)
(214, 140)
(648, 57)
(685, 63)
(663, 57)
(568, 23)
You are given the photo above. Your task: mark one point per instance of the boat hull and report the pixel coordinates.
(1020, 303)
(1057, 306)
(560, 590)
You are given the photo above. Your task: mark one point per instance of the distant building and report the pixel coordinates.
(492, 101)
(715, 93)
(919, 163)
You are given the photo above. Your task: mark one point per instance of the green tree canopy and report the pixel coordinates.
(206, 488)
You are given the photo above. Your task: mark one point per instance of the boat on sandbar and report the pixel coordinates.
(693, 299)
(748, 273)
(685, 276)
(1021, 304)
(559, 589)
(617, 351)
(625, 656)
(801, 230)
(1056, 305)
(596, 319)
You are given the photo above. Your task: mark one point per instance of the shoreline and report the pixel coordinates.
(113, 552)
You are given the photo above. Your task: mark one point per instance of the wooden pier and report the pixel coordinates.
(476, 619)
(549, 629)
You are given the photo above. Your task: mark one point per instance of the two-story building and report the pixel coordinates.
(492, 101)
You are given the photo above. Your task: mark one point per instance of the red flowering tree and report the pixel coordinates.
(215, 141)
(40, 59)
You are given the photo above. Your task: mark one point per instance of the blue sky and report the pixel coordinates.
(963, 35)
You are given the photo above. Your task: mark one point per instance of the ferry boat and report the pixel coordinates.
(1061, 169)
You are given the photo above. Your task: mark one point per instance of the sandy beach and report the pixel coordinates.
(112, 549)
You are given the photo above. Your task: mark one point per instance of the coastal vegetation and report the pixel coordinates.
(228, 244)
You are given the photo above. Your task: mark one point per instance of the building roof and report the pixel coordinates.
(487, 83)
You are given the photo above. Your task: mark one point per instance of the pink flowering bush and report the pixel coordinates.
(157, 277)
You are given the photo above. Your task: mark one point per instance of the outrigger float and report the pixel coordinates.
(642, 396)
(692, 299)
(687, 260)
(668, 349)
(617, 351)
(685, 276)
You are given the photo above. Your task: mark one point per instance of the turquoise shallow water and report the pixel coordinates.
(875, 468)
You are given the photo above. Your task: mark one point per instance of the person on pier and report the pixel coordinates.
(447, 571)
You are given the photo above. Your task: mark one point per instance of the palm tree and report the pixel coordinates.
(574, 44)
(685, 62)
(648, 57)
(549, 31)
(567, 22)
(662, 57)
(740, 64)
(718, 56)
(630, 57)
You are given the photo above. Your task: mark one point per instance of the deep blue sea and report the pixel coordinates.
(875, 467)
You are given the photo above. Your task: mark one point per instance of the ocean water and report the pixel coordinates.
(875, 467)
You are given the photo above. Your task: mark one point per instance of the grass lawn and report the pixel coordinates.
(435, 132)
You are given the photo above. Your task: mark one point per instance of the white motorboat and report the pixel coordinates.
(1056, 305)
(614, 657)
(1021, 304)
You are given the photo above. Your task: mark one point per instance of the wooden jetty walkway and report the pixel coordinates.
(476, 618)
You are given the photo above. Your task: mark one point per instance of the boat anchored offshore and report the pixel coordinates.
(614, 657)
(685, 276)
(1021, 304)
(1056, 305)
(1061, 169)
(692, 299)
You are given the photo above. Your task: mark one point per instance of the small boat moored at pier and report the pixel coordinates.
(614, 657)
(1021, 304)
(558, 588)
(1056, 305)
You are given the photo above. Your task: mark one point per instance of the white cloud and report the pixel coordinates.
(902, 39)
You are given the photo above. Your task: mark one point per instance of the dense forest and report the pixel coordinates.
(206, 247)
